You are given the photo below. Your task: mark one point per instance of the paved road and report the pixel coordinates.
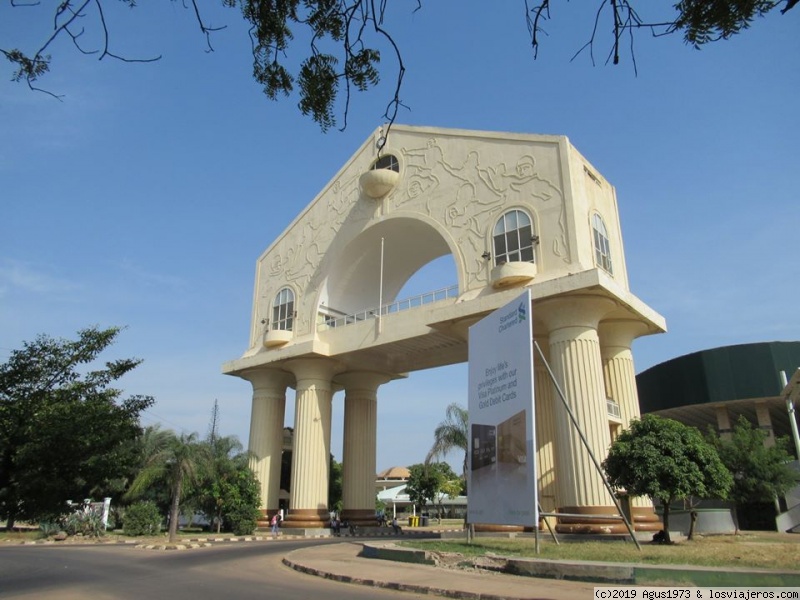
(233, 570)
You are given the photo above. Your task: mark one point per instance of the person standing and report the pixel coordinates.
(275, 522)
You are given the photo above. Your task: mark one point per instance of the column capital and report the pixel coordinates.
(314, 368)
(366, 380)
(268, 379)
(620, 332)
(580, 310)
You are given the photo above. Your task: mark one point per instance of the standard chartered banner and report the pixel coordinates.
(502, 449)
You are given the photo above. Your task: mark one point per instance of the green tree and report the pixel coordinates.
(667, 461)
(226, 486)
(218, 489)
(760, 473)
(64, 431)
(335, 490)
(426, 480)
(148, 444)
(344, 38)
(177, 460)
(451, 434)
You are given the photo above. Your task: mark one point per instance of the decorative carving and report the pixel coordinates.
(523, 186)
(454, 185)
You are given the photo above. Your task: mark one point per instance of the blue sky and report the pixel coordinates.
(144, 198)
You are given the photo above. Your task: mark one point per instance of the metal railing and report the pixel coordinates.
(394, 307)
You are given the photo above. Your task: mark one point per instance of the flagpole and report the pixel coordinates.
(380, 293)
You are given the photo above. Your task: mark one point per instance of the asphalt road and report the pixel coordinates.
(230, 570)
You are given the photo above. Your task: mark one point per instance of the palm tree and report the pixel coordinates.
(451, 434)
(227, 457)
(175, 459)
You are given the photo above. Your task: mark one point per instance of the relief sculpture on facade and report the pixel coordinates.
(478, 195)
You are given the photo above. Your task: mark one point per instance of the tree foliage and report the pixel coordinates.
(760, 473)
(426, 480)
(178, 460)
(227, 491)
(667, 461)
(335, 485)
(337, 41)
(64, 432)
(451, 434)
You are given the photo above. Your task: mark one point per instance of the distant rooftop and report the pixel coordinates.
(394, 473)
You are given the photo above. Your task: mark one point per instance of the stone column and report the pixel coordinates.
(308, 504)
(360, 445)
(266, 433)
(572, 323)
(545, 430)
(616, 337)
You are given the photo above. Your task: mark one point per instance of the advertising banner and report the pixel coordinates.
(502, 485)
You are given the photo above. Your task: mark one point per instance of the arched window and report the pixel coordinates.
(513, 238)
(387, 161)
(602, 249)
(283, 310)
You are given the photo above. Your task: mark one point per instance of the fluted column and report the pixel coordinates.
(266, 432)
(308, 504)
(360, 445)
(576, 363)
(616, 337)
(545, 430)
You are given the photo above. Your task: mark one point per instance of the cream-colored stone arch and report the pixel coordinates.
(405, 242)
(450, 188)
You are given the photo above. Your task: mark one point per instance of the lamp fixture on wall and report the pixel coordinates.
(486, 255)
(534, 239)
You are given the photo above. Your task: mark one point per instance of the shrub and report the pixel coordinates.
(84, 521)
(242, 521)
(48, 528)
(142, 518)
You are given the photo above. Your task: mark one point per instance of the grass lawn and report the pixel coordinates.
(763, 550)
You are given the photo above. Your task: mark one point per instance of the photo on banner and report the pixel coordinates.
(502, 487)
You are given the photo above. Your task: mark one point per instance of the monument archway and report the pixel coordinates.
(513, 211)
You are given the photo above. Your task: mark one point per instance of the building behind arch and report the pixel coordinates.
(711, 389)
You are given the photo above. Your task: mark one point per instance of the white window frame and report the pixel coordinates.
(283, 310)
(602, 246)
(514, 238)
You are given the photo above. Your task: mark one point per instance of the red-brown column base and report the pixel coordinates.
(590, 526)
(646, 519)
(492, 528)
(362, 517)
(264, 516)
(307, 518)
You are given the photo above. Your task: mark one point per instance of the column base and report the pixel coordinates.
(362, 517)
(590, 525)
(307, 518)
(493, 528)
(645, 519)
(264, 517)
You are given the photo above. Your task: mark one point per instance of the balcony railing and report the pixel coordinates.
(394, 307)
(613, 409)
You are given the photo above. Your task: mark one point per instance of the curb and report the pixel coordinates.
(604, 573)
(392, 585)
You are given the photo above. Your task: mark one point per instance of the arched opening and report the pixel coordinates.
(398, 264)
